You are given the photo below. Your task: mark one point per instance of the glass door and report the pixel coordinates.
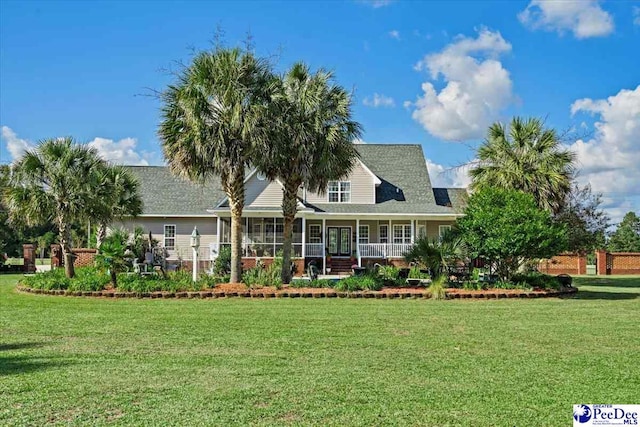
(339, 241)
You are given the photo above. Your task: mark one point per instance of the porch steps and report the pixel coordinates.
(340, 265)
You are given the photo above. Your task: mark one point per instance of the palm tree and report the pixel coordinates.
(118, 197)
(49, 184)
(525, 157)
(310, 141)
(211, 121)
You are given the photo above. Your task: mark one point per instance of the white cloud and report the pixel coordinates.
(16, 146)
(478, 87)
(443, 176)
(376, 4)
(585, 18)
(121, 152)
(609, 160)
(394, 34)
(636, 15)
(378, 100)
(359, 141)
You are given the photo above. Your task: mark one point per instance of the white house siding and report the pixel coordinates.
(363, 188)
(184, 228)
(433, 228)
(262, 193)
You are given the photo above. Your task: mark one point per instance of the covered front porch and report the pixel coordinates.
(345, 241)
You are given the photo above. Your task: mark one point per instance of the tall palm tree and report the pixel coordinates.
(117, 197)
(210, 122)
(310, 141)
(49, 184)
(528, 157)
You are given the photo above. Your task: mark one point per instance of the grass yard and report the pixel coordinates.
(322, 362)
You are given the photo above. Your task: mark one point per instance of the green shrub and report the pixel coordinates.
(415, 273)
(472, 286)
(89, 279)
(318, 283)
(54, 279)
(222, 264)
(359, 283)
(436, 288)
(536, 280)
(260, 275)
(389, 273)
(209, 281)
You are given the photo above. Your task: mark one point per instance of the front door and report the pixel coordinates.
(339, 241)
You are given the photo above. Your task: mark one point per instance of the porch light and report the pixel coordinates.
(195, 245)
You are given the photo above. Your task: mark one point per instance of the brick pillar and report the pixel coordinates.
(582, 264)
(29, 255)
(56, 256)
(601, 262)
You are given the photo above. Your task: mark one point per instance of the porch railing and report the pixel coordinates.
(314, 249)
(384, 250)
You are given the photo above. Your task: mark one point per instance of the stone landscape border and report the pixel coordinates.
(286, 293)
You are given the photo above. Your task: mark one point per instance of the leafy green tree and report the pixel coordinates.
(626, 238)
(527, 157)
(49, 185)
(117, 197)
(586, 223)
(211, 122)
(507, 228)
(310, 144)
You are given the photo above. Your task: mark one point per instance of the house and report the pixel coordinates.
(373, 215)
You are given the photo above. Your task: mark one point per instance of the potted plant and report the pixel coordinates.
(327, 266)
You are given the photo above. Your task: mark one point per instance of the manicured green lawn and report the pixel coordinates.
(340, 362)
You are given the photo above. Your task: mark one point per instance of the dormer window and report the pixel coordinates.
(339, 191)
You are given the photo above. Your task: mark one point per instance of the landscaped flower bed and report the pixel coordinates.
(240, 290)
(90, 282)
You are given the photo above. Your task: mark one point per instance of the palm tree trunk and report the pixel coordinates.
(101, 233)
(65, 245)
(289, 209)
(235, 192)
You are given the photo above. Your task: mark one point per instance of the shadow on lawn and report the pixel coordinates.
(20, 345)
(20, 364)
(584, 294)
(608, 281)
(13, 365)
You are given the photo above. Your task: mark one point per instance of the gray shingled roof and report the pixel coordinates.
(455, 198)
(405, 187)
(165, 194)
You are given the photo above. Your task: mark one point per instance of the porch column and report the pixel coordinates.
(413, 231)
(324, 245)
(304, 243)
(218, 221)
(244, 237)
(358, 241)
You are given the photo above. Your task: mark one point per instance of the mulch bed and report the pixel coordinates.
(240, 290)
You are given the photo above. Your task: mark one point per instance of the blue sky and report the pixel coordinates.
(433, 73)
